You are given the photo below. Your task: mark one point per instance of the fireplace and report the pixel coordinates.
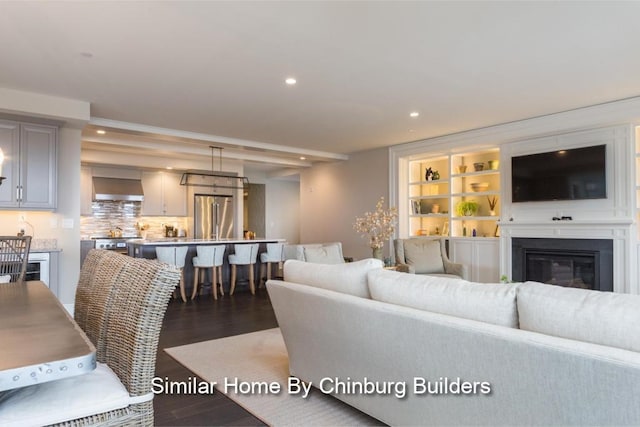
(577, 263)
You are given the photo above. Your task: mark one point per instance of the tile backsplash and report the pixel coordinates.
(107, 215)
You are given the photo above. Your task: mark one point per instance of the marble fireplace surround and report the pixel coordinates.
(620, 232)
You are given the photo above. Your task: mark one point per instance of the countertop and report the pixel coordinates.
(189, 241)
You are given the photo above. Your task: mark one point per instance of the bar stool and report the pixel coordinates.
(274, 254)
(174, 255)
(209, 257)
(245, 254)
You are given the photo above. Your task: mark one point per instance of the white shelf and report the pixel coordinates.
(474, 174)
(475, 218)
(434, 182)
(430, 215)
(477, 193)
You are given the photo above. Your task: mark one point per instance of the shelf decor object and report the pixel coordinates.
(467, 208)
(377, 226)
(479, 186)
(493, 201)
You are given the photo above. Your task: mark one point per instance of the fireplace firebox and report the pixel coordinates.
(577, 263)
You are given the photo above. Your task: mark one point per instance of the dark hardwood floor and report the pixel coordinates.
(201, 320)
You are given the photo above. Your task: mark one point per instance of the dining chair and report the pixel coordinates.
(128, 298)
(14, 254)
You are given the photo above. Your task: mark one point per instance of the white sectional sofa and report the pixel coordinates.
(321, 253)
(438, 351)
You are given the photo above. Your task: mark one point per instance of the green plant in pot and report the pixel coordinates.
(467, 208)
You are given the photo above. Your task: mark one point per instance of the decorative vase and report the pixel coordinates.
(492, 213)
(377, 253)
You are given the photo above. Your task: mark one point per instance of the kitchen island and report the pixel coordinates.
(146, 248)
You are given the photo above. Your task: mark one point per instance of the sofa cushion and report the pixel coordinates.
(490, 303)
(327, 254)
(604, 318)
(349, 278)
(423, 255)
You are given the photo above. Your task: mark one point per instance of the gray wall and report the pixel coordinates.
(332, 195)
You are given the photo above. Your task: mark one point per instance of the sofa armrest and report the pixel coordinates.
(405, 268)
(460, 270)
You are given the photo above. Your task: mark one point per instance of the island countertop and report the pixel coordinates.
(146, 248)
(176, 241)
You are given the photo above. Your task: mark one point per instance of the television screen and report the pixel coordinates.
(575, 174)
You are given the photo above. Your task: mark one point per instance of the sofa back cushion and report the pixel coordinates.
(349, 278)
(604, 318)
(324, 254)
(490, 303)
(424, 255)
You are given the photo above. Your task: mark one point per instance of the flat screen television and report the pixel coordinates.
(574, 174)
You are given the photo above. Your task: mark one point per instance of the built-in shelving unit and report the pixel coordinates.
(454, 178)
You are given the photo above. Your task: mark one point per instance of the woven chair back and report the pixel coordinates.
(120, 304)
(14, 254)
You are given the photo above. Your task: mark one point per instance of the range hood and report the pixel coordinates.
(117, 189)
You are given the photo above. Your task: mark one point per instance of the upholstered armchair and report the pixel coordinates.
(426, 256)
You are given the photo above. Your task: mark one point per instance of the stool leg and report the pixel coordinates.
(233, 279)
(251, 284)
(220, 278)
(214, 283)
(182, 291)
(261, 274)
(268, 271)
(196, 278)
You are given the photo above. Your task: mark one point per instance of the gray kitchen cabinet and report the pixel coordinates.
(163, 194)
(30, 165)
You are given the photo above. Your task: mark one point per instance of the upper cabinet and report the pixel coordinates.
(30, 165)
(163, 194)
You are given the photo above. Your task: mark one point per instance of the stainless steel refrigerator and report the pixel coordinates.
(213, 217)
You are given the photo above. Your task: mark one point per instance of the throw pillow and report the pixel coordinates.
(328, 254)
(604, 318)
(424, 255)
(485, 302)
(349, 278)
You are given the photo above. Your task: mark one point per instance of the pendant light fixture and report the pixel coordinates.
(213, 179)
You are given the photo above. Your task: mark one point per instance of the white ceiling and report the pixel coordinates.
(204, 73)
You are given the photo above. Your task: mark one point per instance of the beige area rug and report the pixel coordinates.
(262, 356)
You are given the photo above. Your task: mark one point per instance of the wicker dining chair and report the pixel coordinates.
(14, 254)
(121, 301)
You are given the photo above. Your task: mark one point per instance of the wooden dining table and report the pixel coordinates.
(39, 340)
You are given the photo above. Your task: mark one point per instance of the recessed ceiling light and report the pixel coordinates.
(169, 167)
(412, 130)
(414, 114)
(290, 81)
(303, 158)
(101, 131)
